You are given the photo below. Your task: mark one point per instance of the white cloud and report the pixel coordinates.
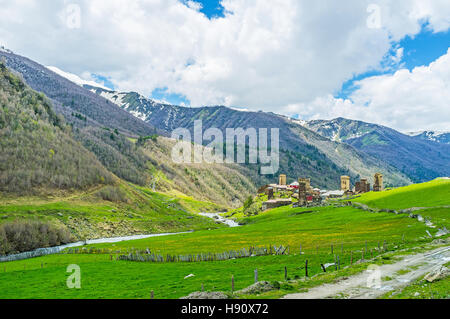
(406, 100)
(261, 55)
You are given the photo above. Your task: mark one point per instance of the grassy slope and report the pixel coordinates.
(432, 194)
(88, 216)
(102, 278)
(224, 184)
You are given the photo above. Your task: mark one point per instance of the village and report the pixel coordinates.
(301, 194)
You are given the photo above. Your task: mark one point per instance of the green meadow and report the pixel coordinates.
(432, 194)
(348, 230)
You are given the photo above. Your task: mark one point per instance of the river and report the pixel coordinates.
(54, 250)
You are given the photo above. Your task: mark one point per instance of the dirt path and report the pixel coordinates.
(368, 285)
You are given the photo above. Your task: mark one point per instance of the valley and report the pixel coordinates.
(358, 237)
(84, 163)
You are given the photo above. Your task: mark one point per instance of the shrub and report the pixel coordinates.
(276, 284)
(20, 236)
(113, 194)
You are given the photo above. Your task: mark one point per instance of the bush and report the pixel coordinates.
(21, 236)
(276, 284)
(113, 194)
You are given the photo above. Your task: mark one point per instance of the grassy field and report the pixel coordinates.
(347, 229)
(432, 194)
(103, 278)
(287, 226)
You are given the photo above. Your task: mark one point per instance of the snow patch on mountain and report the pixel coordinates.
(75, 78)
(3, 49)
(435, 136)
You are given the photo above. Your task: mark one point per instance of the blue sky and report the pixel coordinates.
(420, 50)
(162, 94)
(211, 8)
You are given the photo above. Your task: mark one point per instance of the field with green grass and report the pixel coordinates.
(432, 194)
(313, 230)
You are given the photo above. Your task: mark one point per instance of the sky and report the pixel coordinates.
(380, 61)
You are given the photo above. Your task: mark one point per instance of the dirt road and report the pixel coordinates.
(369, 284)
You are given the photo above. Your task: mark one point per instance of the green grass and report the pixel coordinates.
(103, 278)
(440, 217)
(294, 227)
(432, 194)
(421, 289)
(311, 228)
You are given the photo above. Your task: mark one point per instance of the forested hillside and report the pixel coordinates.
(37, 151)
(41, 152)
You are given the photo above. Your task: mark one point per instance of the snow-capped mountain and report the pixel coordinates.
(417, 156)
(435, 136)
(74, 78)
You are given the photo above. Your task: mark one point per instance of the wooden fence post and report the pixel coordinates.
(306, 268)
(285, 273)
(339, 263)
(232, 283)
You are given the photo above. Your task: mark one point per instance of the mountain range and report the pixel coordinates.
(435, 136)
(64, 137)
(420, 159)
(107, 122)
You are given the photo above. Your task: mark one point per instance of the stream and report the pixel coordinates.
(220, 219)
(55, 250)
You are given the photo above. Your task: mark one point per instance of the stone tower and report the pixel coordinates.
(345, 183)
(282, 180)
(378, 185)
(302, 194)
(307, 182)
